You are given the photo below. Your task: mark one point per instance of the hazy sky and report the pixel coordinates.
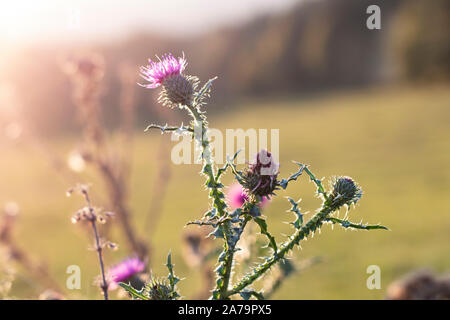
(24, 21)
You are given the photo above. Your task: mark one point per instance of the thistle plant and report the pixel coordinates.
(93, 216)
(259, 180)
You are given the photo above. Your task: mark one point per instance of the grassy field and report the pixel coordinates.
(394, 142)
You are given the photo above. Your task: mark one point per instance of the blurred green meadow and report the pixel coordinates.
(394, 141)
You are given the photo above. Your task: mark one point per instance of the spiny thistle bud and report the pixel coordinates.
(158, 290)
(178, 89)
(260, 178)
(345, 191)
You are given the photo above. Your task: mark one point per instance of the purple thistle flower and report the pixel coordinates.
(157, 71)
(125, 270)
(236, 197)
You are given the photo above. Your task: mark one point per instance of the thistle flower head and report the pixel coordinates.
(260, 178)
(125, 270)
(237, 196)
(177, 88)
(345, 191)
(158, 71)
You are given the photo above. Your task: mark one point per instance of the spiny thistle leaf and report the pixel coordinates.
(317, 182)
(211, 213)
(237, 174)
(229, 163)
(173, 280)
(135, 294)
(247, 294)
(210, 222)
(294, 176)
(348, 224)
(295, 209)
(217, 233)
(263, 226)
(180, 130)
(203, 93)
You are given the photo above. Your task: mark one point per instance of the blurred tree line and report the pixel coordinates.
(315, 46)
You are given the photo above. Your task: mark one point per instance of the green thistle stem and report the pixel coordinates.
(208, 164)
(225, 266)
(299, 235)
(228, 263)
(313, 224)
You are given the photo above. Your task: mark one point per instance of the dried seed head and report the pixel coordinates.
(85, 213)
(345, 191)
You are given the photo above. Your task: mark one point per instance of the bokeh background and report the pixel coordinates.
(372, 104)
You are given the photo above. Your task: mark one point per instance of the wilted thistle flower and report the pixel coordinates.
(124, 271)
(178, 89)
(158, 290)
(260, 178)
(345, 192)
(237, 196)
